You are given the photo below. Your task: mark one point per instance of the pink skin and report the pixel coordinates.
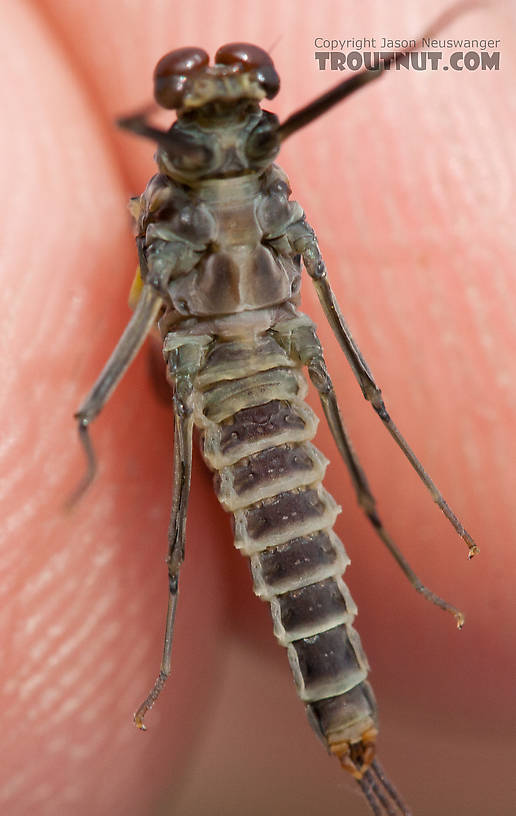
(410, 187)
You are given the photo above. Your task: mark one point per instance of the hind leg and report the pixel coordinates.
(302, 344)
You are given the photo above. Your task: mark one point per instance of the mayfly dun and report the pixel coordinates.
(221, 246)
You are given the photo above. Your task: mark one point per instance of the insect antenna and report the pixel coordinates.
(382, 797)
(299, 119)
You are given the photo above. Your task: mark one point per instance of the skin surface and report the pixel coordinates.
(410, 187)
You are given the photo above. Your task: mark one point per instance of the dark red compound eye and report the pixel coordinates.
(251, 58)
(172, 72)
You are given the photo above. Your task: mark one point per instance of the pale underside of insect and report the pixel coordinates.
(220, 245)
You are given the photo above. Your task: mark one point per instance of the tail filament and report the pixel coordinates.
(382, 797)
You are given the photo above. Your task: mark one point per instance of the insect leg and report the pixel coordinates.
(305, 346)
(183, 424)
(299, 119)
(303, 240)
(179, 145)
(126, 349)
(183, 365)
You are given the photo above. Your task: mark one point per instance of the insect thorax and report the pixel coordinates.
(219, 246)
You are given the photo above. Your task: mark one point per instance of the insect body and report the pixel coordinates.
(220, 245)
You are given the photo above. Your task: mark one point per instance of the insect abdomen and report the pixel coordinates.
(256, 436)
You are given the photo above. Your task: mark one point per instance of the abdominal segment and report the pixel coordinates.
(256, 436)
